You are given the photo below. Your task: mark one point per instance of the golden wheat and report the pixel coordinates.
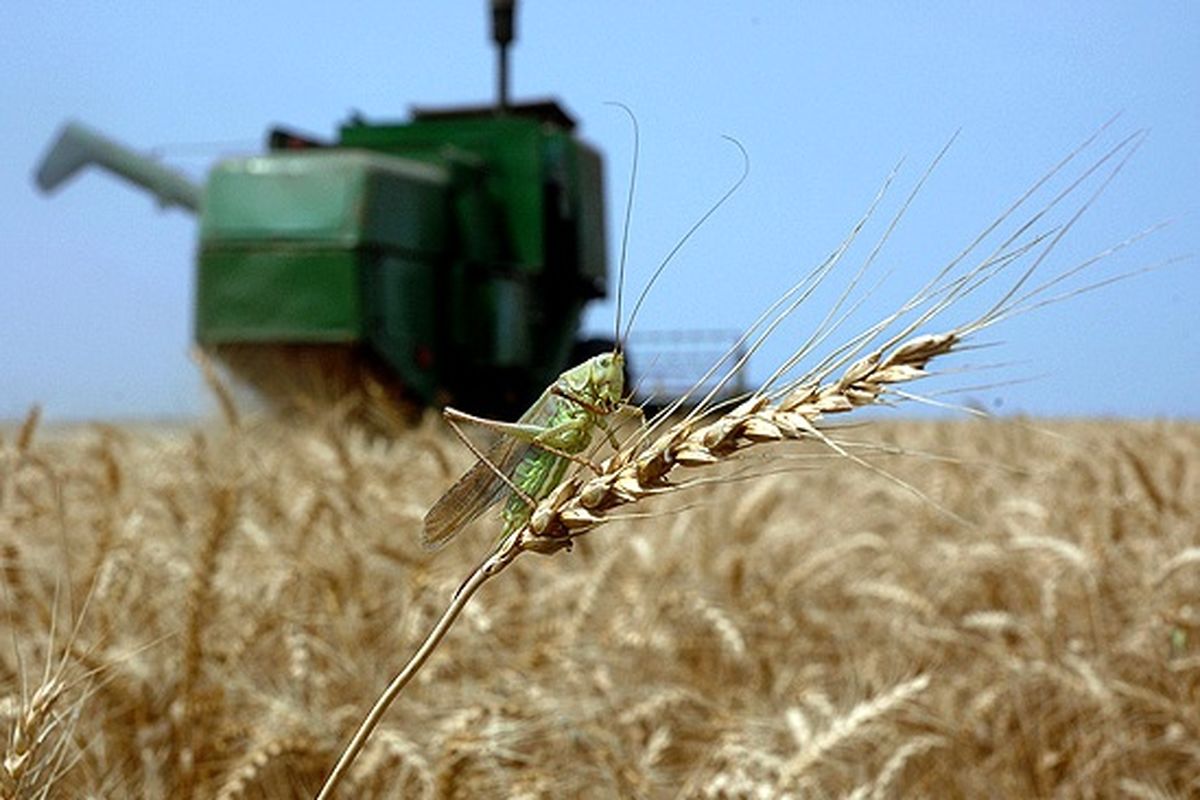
(1009, 614)
(600, 675)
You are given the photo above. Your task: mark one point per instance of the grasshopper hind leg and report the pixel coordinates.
(451, 416)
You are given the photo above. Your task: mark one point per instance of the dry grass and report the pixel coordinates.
(821, 632)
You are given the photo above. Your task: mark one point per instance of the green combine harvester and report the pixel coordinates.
(446, 259)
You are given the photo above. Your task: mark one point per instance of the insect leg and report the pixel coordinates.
(533, 434)
(451, 416)
(626, 410)
(600, 415)
(608, 433)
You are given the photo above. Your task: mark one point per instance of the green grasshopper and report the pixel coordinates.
(532, 455)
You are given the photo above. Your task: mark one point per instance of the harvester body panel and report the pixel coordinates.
(454, 252)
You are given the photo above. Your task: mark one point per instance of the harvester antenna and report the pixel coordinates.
(503, 29)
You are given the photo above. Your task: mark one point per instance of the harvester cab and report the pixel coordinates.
(444, 258)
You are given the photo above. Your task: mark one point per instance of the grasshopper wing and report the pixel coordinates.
(472, 494)
(481, 487)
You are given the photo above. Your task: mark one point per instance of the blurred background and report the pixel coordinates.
(96, 282)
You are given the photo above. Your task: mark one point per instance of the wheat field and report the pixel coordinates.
(954, 609)
(207, 612)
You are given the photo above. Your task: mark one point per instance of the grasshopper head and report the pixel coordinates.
(608, 376)
(600, 380)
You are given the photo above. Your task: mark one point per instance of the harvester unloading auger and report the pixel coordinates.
(443, 259)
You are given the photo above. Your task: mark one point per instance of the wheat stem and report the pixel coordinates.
(491, 567)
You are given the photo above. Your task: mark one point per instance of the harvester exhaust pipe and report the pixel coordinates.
(503, 29)
(78, 146)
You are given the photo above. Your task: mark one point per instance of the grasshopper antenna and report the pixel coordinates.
(633, 170)
(692, 230)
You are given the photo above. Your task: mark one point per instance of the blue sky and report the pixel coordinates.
(95, 283)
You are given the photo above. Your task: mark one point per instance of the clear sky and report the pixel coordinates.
(96, 282)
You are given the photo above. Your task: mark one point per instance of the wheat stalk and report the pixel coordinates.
(200, 599)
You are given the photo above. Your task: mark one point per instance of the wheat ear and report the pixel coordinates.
(30, 733)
